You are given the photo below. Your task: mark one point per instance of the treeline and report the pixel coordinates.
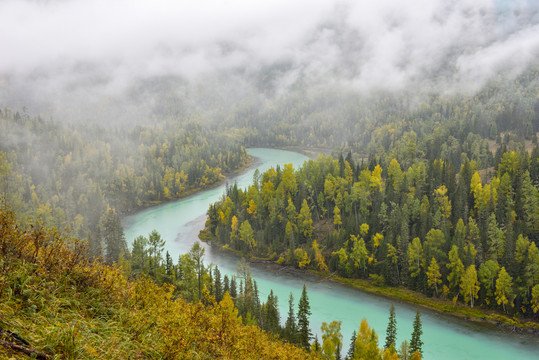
(194, 281)
(73, 175)
(337, 117)
(455, 230)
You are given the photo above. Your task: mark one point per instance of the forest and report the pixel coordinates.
(56, 301)
(444, 202)
(83, 177)
(441, 198)
(421, 124)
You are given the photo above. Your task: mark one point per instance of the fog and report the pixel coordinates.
(107, 59)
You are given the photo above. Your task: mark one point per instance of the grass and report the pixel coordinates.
(459, 310)
(446, 306)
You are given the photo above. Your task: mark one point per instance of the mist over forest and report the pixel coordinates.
(127, 62)
(427, 112)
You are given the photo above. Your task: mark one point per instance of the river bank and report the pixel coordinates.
(445, 337)
(250, 163)
(485, 317)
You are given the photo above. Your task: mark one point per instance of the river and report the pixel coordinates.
(444, 337)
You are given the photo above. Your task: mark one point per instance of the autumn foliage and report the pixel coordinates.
(64, 305)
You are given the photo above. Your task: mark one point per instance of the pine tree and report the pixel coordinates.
(271, 314)
(139, 255)
(197, 254)
(352, 347)
(226, 285)
(304, 311)
(290, 327)
(218, 284)
(155, 249)
(233, 289)
(416, 343)
(257, 306)
(391, 332)
(169, 267)
(113, 235)
(315, 347)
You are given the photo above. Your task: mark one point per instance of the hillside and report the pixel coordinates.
(58, 304)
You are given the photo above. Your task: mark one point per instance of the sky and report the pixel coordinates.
(63, 47)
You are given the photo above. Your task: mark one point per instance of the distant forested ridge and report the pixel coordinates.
(371, 123)
(445, 200)
(76, 175)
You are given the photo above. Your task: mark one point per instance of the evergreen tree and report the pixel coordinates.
(352, 347)
(271, 314)
(304, 311)
(391, 332)
(233, 289)
(315, 347)
(155, 249)
(197, 254)
(219, 291)
(257, 306)
(139, 255)
(113, 235)
(226, 285)
(169, 268)
(290, 327)
(415, 342)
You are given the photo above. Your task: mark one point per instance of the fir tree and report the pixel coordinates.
(113, 235)
(233, 289)
(416, 343)
(391, 332)
(338, 352)
(218, 284)
(315, 347)
(271, 314)
(290, 327)
(169, 268)
(197, 254)
(258, 307)
(304, 311)
(352, 347)
(155, 249)
(226, 285)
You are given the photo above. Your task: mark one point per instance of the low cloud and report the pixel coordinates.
(56, 51)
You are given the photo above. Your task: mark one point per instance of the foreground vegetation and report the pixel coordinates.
(56, 303)
(63, 304)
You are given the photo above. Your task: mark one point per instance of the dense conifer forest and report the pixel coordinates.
(445, 202)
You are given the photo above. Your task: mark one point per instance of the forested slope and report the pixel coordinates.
(443, 202)
(81, 176)
(56, 302)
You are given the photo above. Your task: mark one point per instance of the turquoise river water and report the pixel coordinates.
(444, 337)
